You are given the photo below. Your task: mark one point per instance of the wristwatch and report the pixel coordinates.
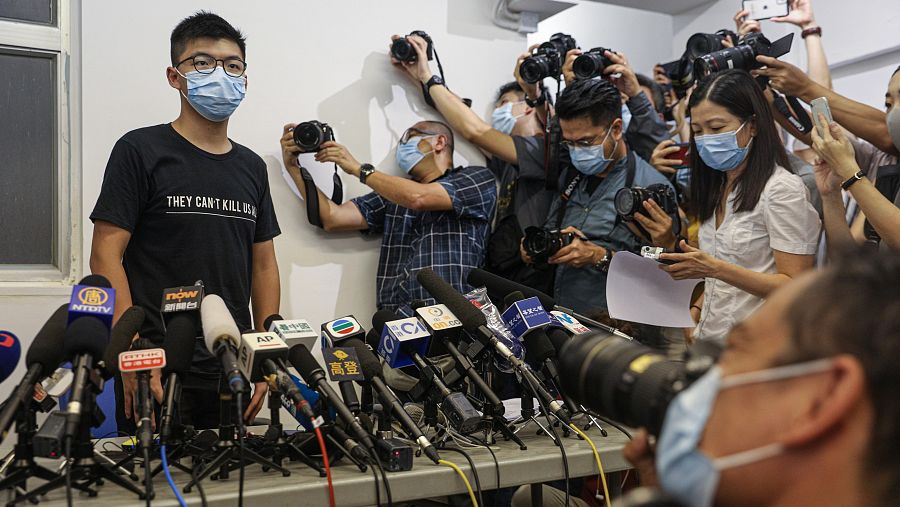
(852, 179)
(539, 101)
(603, 264)
(435, 80)
(816, 30)
(364, 171)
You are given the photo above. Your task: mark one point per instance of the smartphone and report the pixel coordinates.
(820, 105)
(683, 155)
(765, 9)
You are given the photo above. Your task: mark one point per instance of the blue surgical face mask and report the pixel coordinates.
(591, 160)
(684, 471)
(626, 118)
(721, 151)
(503, 118)
(214, 96)
(408, 154)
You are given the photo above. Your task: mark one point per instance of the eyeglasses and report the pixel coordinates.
(414, 132)
(584, 144)
(205, 64)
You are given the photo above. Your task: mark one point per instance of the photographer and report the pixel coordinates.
(589, 113)
(438, 218)
(802, 406)
(758, 229)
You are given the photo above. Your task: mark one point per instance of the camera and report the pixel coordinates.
(541, 244)
(743, 55)
(681, 73)
(403, 50)
(592, 63)
(629, 201)
(701, 44)
(310, 135)
(547, 59)
(629, 382)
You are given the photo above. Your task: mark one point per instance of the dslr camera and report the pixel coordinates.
(540, 244)
(403, 50)
(629, 201)
(547, 59)
(309, 135)
(743, 55)
(681, 71)
(591, 64)
(629, 382)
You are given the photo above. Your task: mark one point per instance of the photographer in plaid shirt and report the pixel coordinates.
(437, 218)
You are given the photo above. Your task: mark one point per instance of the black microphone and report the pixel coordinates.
(308, 368)
(222, 338)
(181, 335)
(371, 369)
(86, 341)
(351, 445)
(120, 339)
(475, 323)
(44, 354)
(144, 426)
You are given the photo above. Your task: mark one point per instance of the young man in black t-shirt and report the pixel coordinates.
(181, 202)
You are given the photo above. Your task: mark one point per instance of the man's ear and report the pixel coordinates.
(440, 143)
(617, 127)
(172, 77)
(832, 404)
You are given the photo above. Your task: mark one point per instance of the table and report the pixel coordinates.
(541, 462)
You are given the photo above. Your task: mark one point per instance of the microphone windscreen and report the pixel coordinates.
(10, 352)
(369, 364)
(512, 297)
(47, 348)
(120, 337)
(96, 281)
(498, 287)
(217, 322)
(558, 338)
(181, 335)
(381, 318)
(303, 361)
(373, 337)
(538, 347)
(267, 324)
(86, 336)
(443, 292)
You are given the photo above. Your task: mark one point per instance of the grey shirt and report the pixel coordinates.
(646, 129)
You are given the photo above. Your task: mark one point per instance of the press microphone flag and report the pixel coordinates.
(401, 335)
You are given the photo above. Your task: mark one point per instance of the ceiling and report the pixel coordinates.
(664, 6)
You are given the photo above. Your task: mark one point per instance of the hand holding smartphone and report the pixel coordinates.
(820, 105)
(765, 9)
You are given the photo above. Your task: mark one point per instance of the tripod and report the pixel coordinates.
(23, 467)
(280, 446)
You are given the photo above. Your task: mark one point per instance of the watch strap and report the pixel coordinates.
(364, 171)
(816, 30)
(852, 179)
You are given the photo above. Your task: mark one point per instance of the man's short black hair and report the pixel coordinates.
(204, 24)
(659, 102)
(511, 86)
(597, 99)
(441, 128)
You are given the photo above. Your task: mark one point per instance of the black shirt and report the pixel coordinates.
(192, 216)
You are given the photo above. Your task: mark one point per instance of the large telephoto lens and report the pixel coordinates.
(738, 57)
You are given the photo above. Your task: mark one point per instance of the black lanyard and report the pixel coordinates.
(312, 195)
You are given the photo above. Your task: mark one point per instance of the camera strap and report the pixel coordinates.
(793, 111)
(312, 195)
(573, 181)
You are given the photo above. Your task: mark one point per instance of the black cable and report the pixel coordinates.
(69, 471)
(377, 488)
(384, 479)
(474, 470)
(147, 477)
(240, 418)
(562, 447)
(496, 463)
(615, 425)
(198, 485)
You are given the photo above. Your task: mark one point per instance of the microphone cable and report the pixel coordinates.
(384, 479)
(69, 464)
(550, 423)
(199, 486)
(172, 486)
(327, 465)
(465, 479)
(240, 418)
(474, 471)
(599, 462)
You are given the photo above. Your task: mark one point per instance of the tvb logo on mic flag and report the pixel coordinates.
(339, 330)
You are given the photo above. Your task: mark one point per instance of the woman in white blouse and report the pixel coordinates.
(758, 229)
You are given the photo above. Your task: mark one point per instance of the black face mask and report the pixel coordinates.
(887, 182)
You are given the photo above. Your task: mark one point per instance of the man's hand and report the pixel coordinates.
(659, 158)
(256, 402)
(801, 14)
(640, 453)
(693, 263)
(627, 82)
(783, 77)
(744, 24)
(579, 253)
(289, 149)
(129, 390)
(331, 151)
(525, 257)
(568, 69)
(834, 149)
(532, 90)
(827, 181)
(419, 71)
(658, 224)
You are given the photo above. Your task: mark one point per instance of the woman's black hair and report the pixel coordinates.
(738, 92)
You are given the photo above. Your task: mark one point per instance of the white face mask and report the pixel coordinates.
(683, 470)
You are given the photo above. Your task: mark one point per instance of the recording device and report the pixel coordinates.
(547, 59)
(309, 135)
(292, 332)
(48, 440)
(10, 351)
(766, 9)
(222, 338)
(681, 71)
(820, 106)
(653, 253)
(403, 50)
(683, 155)
(627, 381)
(742, 55)
(395, 454)
(541, 243)
(701, 44)
(142, 358)
(629, 201)
(255, 349)
(592, 63)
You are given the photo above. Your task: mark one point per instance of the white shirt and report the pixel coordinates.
(782, 220)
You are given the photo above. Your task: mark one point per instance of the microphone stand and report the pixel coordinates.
(22, 465)
(276, 444)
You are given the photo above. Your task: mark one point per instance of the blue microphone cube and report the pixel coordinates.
(99, 302)
(524, 316)
(400, 334)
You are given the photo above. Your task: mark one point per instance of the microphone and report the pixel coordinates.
(143, 357)
(44, 354)
(337, 332)
(292, 332)
(10, 352)
(475, 323)
(93, 297)
(403, 340)
(181, 334)
(260, 358)
(371, 369)
(120, 339)
(498, 287)
(306, 365)
(222, 338)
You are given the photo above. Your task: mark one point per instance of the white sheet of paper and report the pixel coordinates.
(638, 291)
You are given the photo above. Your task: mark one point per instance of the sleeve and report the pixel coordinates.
(646, 129)
(530, 157)
(472, 191)
(372, 208)
(792, 223)
(266, 221)
(125, 190)
(865, 153)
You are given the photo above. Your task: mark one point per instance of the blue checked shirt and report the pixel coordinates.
(449, 242)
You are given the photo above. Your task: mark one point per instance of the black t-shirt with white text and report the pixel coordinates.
(192, 215)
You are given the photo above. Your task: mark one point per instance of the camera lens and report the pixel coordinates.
(310, 134)
(702, 44)
(627, 201)
(402, 50)
(738, 57)
(590, 64)
(535, 68)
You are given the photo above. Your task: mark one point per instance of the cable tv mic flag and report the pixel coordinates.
(399, 334)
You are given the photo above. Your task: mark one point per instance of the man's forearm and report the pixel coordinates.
(407, 193)
(862, 120)
(837, 232)
(265, 295)
(325, 204)
(816, 62)
(462, 119)
(115, 273)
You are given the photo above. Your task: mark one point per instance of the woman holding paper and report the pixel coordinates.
(758, 229)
